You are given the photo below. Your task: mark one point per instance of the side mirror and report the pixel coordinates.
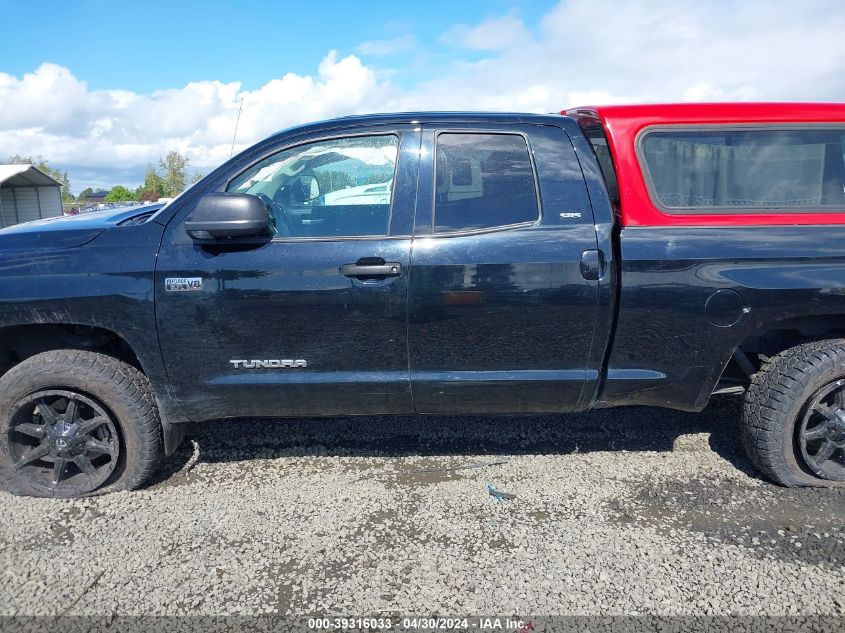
(226, 215)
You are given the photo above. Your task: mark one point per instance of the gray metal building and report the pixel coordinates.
(27, 193)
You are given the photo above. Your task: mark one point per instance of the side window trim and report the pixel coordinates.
(733, 127)
(398, 132)
(479, 230)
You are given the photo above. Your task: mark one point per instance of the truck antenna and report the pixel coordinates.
(238, 120)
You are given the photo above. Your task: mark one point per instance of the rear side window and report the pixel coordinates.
(777, 169)
(483, 181)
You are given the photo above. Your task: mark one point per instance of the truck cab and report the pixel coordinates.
(437, 265)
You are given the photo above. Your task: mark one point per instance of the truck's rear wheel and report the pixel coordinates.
(75, 423)
(794, 416)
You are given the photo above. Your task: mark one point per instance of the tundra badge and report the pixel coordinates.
(269, 364)
(182, 284)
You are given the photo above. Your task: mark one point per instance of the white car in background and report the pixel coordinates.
(378, 193)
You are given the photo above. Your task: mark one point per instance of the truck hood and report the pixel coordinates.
(70, 230)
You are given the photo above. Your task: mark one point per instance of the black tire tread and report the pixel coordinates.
(775, 398)
(108, 379)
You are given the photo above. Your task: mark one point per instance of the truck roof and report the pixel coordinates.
(410, 118)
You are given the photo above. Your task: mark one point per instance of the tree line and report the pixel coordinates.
(167, 180)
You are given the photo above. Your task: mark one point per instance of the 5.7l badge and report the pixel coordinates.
(182, 284)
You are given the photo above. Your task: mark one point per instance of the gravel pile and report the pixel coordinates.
(627, 511)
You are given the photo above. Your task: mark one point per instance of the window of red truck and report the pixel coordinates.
(738, 169)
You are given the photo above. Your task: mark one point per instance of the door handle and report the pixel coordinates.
(592, 265)
(371, 268)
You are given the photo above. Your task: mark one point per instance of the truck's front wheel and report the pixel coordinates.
(794, 416)
(75, 423)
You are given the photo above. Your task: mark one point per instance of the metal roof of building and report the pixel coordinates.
(25, 176)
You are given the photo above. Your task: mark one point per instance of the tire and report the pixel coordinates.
(96, 415)
(790, 400)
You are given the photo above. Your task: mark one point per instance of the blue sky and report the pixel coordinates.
(156, 44)
(100, 88)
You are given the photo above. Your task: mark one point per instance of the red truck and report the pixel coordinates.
(444, 263)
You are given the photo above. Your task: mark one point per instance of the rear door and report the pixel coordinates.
(504, 266)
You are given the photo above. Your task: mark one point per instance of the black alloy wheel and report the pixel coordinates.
(62, 442)
(821, 434)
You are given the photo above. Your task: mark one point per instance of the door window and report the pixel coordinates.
(336, 188)
(483, 181)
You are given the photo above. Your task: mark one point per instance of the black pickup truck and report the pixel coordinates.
(444, 263)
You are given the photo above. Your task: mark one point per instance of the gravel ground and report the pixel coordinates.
(626, 511)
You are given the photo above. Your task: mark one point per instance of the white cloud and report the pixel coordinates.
(392, 46)
(492, 34)
(581, 52)
(646, 50)
(31, 101)
(51, 113)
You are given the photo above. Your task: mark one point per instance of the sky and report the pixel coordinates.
(100, 88)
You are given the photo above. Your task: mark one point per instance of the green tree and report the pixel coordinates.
(83, 195)
(67, 196)
(17, 159)
(196, 177)
(119, 193)
(174, 167)
(153, 187)
(146, 195)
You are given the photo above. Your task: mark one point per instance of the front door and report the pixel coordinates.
(312, 321)
(501, 318)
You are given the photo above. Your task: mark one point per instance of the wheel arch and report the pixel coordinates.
(21, 341)
(772, 337)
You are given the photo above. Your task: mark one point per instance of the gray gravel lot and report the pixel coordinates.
(616, 512)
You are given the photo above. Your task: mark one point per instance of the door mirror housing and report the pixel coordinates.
(228, 215)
